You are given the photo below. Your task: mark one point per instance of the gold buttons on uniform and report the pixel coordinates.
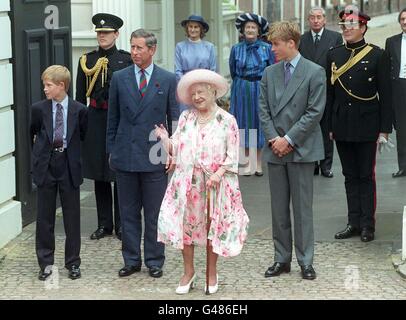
(370, 79)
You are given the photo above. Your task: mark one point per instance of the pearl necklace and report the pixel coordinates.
(205, 120)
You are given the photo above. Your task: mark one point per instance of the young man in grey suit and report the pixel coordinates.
(141, 96)
(314, 45)
(396, 50)
(292, 102)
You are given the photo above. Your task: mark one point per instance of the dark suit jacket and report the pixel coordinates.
(42, 129)
(329, 39)
(393, 48)
(132, 119)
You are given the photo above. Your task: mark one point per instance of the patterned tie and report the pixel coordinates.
(288, 75)
(316, 40)
(143, 83)
(59, 126)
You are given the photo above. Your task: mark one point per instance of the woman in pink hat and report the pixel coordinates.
(204, 151)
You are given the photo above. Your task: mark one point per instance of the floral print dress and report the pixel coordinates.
(199, 152)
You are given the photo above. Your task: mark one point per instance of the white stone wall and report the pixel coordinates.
(10, 210)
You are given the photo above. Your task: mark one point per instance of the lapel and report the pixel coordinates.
(151, 91)
(398, 47)
(297, 78)
(48, 121)
(322, 46)
(131, 84)
(72, 111)
(310, 44)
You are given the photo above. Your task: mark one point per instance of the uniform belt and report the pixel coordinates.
(251, 79)
(93, 104)
(58, 149)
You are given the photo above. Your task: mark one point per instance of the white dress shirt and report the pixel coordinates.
(402, 72)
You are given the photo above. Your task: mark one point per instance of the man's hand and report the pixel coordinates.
(281, 147)
(331, 135)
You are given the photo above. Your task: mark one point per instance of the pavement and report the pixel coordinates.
(346, 269)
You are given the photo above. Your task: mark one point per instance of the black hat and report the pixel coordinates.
(247, 17)
(106, 22)
(352, 13)
(199, 19)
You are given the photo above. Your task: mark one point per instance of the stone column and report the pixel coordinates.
(10, 210)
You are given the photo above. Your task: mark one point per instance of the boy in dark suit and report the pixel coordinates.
(57, 126)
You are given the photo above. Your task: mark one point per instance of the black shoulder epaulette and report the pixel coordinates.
(91, 52)
(339, 46)
(123, 51)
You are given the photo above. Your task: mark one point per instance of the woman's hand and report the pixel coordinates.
(213, 181)
(161, 132)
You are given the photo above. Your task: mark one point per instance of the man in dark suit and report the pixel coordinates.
(396, 49)
(141, 96)
(95, 71)
(314, 45)
(57, 127)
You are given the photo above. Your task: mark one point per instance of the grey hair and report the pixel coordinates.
(317, 8)
(150, 38)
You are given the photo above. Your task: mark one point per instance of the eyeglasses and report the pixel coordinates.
(349, 25)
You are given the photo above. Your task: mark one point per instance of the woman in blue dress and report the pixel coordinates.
(194, 53)
(248, 60)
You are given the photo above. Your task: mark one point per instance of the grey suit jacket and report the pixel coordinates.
(295, 111)
(329, 39)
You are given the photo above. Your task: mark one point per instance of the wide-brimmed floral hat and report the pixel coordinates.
(247, 17)
(200, 76)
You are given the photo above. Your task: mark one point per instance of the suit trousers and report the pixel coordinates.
(104, 203)
(137, 191)
(399, 98)
(358, 163)
(292, 181)
(58, 179)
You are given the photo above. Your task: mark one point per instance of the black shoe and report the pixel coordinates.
(155, 272)
(128, 271)
(74, 272)
(400, 173)
(316, 170)
(348, 232)
(277, 269)
(327, 174)
(367, 235)
(118, 234)
(308, 272)
(101, 232)
(44, 274)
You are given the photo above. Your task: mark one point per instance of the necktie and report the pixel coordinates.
(288, 75)
(316, 40)
(59, 126)
(143, 83)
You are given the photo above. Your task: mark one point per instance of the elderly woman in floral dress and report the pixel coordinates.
(204, 150)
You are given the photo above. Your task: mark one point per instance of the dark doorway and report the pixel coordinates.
(36, 46)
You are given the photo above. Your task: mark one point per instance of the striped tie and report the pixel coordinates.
(143, 83)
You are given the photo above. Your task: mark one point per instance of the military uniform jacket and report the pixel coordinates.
(359, 119)
(95, 159)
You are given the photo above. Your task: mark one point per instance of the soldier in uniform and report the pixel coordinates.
(359, 108)
(95, 71)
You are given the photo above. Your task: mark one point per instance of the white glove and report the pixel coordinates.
(385, 144)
